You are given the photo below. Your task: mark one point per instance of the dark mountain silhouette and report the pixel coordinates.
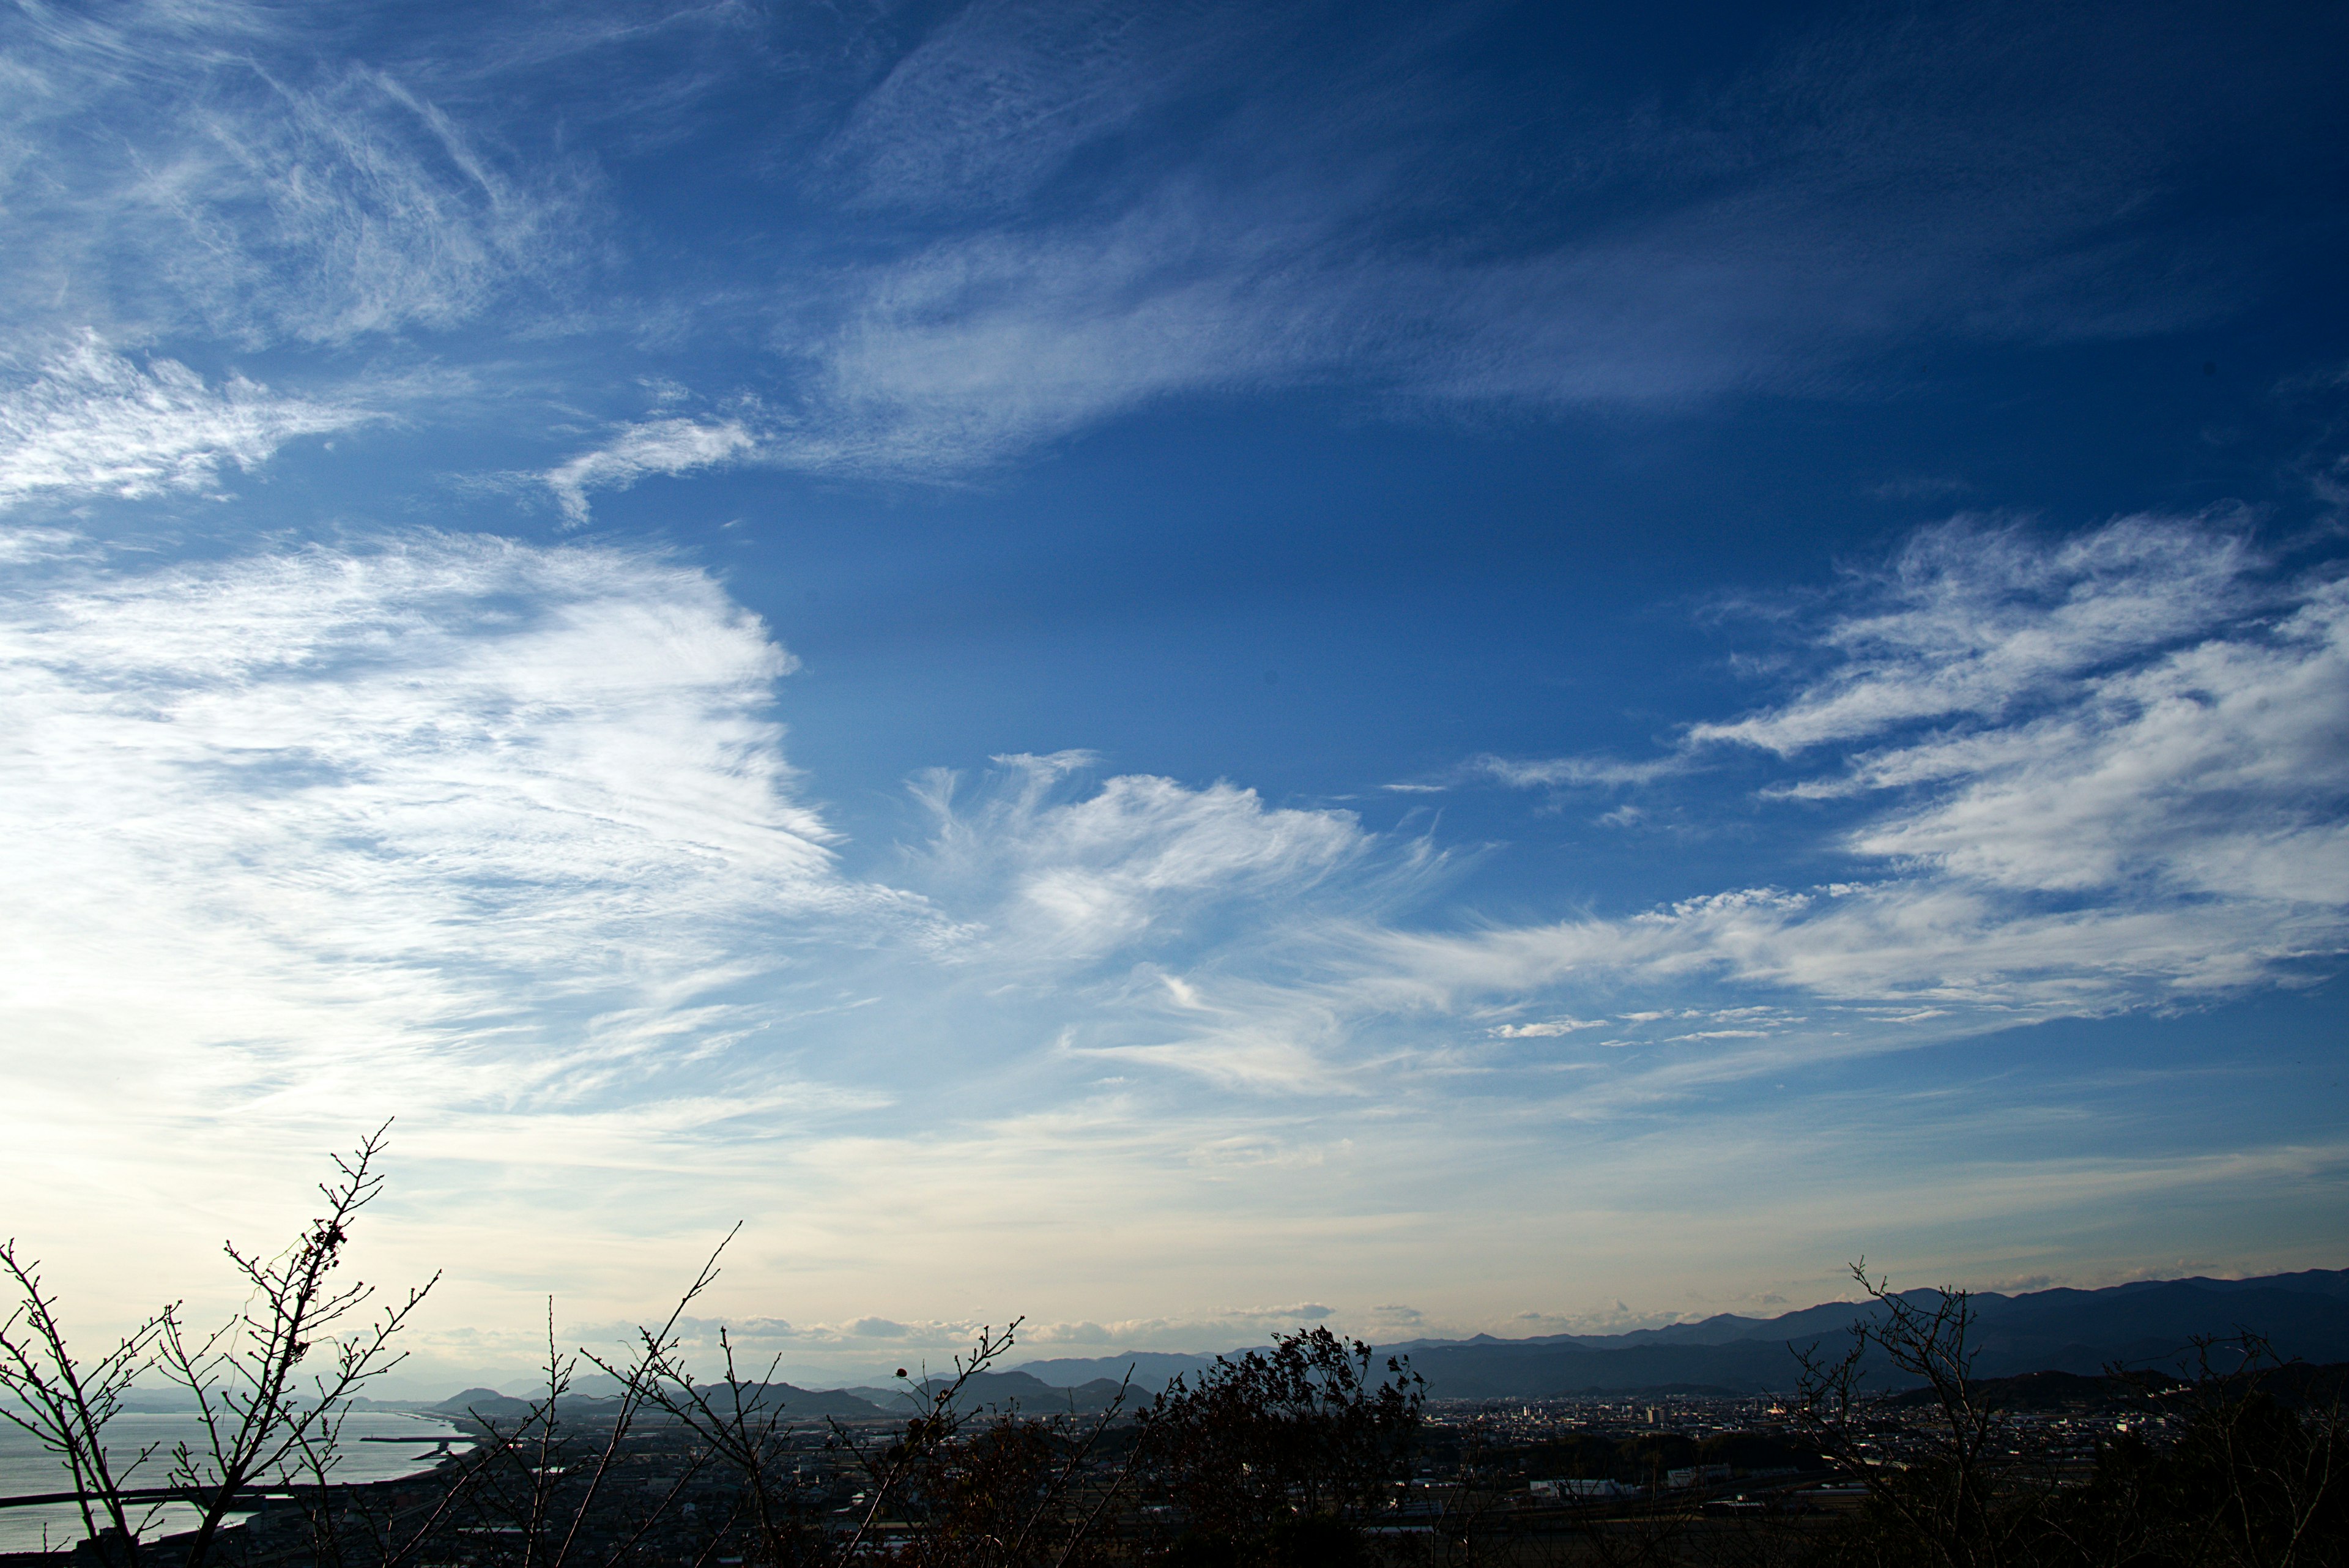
(486, 1403)
(2148, 1324)
(807, 1404)
(1021, 1389)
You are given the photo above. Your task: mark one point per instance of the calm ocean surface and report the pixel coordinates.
(26, 1467)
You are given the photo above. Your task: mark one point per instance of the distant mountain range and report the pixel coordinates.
(2146, 1324)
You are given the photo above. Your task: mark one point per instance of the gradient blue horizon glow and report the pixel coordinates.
(1180, 668)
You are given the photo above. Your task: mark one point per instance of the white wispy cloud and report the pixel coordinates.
(656, 446)
(503, 837)
(1546, 1029)
(381, 750)
(983, 346)
(1000, 94)
(255, 183)
(2116, 778)
(1778, 234)
(1971, 622)
(1158, 924)
(267, 179)
(88, 421)
(506, 838)
(1541, 773)
(439, 823)
(1067, 877)
(2218, 771)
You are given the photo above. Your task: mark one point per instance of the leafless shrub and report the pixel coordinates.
(1955, 1490)
(65, 1405)
(261, 1420)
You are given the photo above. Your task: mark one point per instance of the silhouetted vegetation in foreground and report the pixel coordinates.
(1314, 1452)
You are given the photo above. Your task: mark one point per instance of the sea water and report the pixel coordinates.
(28, 1468)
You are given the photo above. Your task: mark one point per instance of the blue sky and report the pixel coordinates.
(1180, 667)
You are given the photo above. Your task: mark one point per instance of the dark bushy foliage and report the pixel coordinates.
(1274, 1458)
(2247, 1482)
